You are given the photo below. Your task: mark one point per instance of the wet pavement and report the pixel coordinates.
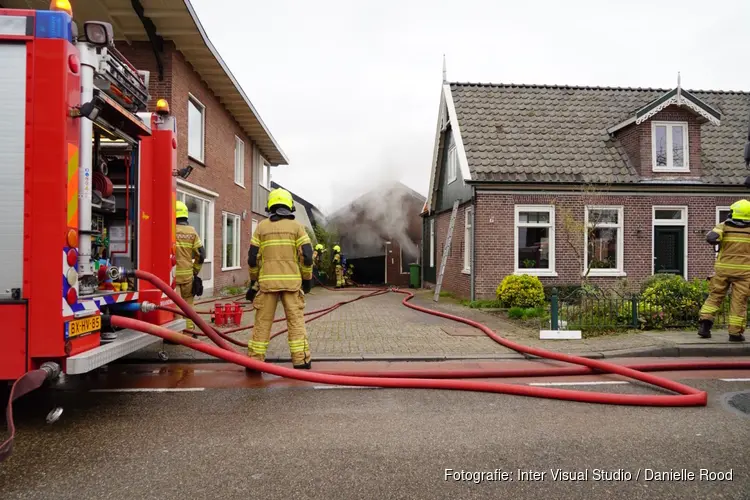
(219, 435)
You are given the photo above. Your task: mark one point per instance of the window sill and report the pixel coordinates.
(536, 272)
(605, 274)
(466, 271)
(240, 185)
(451, 181)
(196, 160)
(667, 170)
(225, 269)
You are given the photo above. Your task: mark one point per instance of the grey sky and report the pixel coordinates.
(350, 89)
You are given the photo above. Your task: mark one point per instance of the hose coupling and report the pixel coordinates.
(52, 369)
(128, 273)
(147, 307)
(115, 273)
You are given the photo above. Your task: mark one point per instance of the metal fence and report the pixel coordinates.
(633, 312)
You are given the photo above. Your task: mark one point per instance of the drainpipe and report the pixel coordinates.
(472, 257)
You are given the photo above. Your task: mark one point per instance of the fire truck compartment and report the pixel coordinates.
(127, 342)
(12, 157)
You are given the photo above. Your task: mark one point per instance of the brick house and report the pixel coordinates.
(219, 132)
(381, 233)
(565, 182)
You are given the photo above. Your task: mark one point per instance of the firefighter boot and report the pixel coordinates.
(704, 328)
(737, 337)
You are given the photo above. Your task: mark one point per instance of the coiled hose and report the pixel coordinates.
(687, 396)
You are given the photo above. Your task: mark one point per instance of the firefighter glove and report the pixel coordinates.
(251, 292)
(306, 285)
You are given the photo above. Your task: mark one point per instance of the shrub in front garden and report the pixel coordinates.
(520, 291)
(670, 300)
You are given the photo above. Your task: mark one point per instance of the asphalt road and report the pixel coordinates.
(298, 442)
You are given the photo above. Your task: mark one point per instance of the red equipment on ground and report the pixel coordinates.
(86, 172)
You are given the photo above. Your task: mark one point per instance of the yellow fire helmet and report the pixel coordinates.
(280, 197)
(319, 247)
(741, 210)
(336, 248)
(182, 210)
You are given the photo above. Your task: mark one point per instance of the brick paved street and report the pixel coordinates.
(382, 328)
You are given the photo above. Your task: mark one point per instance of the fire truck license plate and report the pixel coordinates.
(85, 325)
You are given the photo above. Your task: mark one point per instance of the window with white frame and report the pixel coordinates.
(535, 239)
(452, 164)
(603, 248)
(468, 223)
(722, 214)
(200, 216)
(239, 161)
(432, 242)
(253, 227)
(230, 242)
(669, 145)
(265, 174)
(196, 129)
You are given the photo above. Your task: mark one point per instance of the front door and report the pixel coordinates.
(669, 250)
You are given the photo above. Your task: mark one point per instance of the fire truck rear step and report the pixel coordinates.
(128, 341)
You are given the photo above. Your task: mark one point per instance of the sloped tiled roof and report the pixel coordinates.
(535, 133)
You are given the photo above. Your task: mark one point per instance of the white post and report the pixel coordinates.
(89, 62)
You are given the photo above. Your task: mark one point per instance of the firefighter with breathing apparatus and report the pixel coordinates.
(190, 255)
(338, 266)
(280, 260)
(732, 268)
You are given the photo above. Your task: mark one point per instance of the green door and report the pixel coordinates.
(669, 250)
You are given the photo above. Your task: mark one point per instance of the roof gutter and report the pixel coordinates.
(236, 84)
(646, 186)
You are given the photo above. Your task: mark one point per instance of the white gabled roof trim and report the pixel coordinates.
(196, 188)
(462, 161)
(447, 106)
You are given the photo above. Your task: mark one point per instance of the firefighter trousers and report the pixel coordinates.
(186, 292)
(265, 310)
(339, 276)
(718, 288)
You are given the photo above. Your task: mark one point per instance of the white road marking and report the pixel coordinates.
(152, 389)
(735, 379)
(606, 382)
(344, 387)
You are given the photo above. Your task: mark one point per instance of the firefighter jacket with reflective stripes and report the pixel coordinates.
(190, 253)
(734, 248)
(337, 259)
(280, 255)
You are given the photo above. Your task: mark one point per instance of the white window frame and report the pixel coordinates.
(210, 204)
(686, 147)
(265, 174)
(432, 242)
(552, 236)
(401, 261)
(202, 108)
(224, 218)
(253, 227)
(239, 161)
(683, 221)
(619, 270)
(452, 164)
(468, 225)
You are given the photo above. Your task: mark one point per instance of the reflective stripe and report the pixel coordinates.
(737, 239)
(255, 241)
(257, 347)
(709, 309)
(280, 278)
(273, 243)
(302, 240)
(185, 244)
(736, 320)
(740, 267)
(184, 272)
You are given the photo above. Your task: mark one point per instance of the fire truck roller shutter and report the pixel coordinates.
(12, 131)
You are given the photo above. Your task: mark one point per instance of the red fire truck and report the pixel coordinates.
(87, 172)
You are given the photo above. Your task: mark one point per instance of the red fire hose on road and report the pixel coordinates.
(687, 396)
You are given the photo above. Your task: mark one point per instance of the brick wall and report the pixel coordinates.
(217, 170)
(393, 262)
(454, 280)
(495, 236)
(636, 140)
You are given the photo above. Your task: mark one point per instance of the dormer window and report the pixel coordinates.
(669, 146)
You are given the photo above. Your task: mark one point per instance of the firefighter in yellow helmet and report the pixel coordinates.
(190, 255)
(317, 257)
(280, 260)
(338, 265)
(732, 267)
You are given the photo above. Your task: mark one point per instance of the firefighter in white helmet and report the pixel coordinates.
(280, 260)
